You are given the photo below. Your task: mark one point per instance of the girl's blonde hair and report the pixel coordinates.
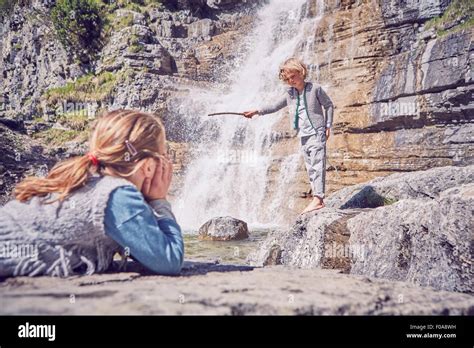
(292, 64)
(119, 141)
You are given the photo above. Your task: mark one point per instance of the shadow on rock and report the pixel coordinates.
(190, 268)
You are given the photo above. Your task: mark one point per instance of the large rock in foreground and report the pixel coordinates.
(315, 240)
(416, 227)
(428, 242)
(224, 228)
(227, 290)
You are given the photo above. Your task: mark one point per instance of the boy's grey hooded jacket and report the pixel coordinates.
(316, 98)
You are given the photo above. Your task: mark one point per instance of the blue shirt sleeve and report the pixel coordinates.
(149, 231)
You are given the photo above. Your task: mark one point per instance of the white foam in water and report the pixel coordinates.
(228, 175)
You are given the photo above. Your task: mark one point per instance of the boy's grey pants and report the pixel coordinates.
(313, 148)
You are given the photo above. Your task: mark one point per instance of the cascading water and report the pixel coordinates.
(231, 156)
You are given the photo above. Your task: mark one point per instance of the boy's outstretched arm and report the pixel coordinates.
(267, 109)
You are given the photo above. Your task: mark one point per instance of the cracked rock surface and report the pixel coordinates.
(210, 288)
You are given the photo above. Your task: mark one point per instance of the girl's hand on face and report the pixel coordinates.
(157, 186)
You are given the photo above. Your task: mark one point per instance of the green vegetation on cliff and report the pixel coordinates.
(86, 88)
(58, 137)
(459, 15)
(75, 120)
(6, 6)
(79, 25)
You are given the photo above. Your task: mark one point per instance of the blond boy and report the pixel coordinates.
(306, 101)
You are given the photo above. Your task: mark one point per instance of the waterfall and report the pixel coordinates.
(232, 157)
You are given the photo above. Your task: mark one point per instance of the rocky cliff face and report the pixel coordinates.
(20, 155)
(402, 83)
(152, 51)
(401, 77)
(157, 49)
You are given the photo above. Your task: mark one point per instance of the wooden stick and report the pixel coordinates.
(226, 113)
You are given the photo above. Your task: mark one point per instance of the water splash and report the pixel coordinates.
(232, 156)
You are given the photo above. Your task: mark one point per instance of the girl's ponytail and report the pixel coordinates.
(64, 178)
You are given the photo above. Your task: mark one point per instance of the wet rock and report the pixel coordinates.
(427, 241)
(224, 228)
(315, 240)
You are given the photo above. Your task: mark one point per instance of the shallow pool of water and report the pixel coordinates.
(234, 251)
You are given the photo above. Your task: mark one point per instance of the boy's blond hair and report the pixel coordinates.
(292, 64)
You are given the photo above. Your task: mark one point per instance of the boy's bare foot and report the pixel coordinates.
(315, 204)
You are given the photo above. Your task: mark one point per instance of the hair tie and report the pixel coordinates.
(93, 159)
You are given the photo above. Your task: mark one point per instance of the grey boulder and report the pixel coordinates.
(224, 228)
(427, 242)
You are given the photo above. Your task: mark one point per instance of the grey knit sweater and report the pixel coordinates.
(316, 98)
(59, 239)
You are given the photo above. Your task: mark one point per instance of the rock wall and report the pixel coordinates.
(31, 60)
(402, 87)
(415, 227)
(151, 55)
(20, 155)
(401, 82)
(181, 40)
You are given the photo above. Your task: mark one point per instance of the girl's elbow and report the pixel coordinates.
(168, 269)
(174, 268)
(174, 264)
(179, 262)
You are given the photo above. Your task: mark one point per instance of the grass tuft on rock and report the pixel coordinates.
(86, 88)
(459, 15)
(55, 137)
